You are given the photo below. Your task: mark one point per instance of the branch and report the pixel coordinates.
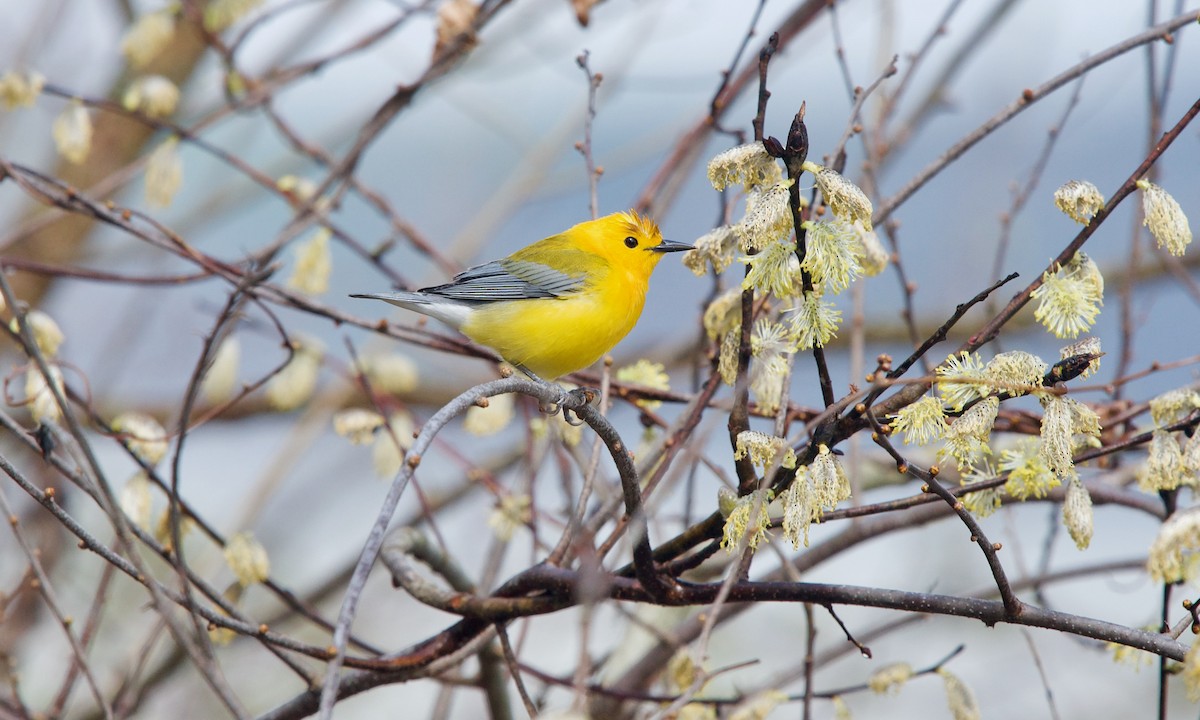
(1027, 99)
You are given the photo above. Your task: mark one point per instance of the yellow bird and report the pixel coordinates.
(555, 306)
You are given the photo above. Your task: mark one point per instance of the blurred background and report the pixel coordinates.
(484, 161)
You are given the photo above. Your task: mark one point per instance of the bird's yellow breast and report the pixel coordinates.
(556, 336)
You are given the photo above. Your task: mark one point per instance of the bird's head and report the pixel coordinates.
(628, 240)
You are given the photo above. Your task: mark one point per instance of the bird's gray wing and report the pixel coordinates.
(508, 280)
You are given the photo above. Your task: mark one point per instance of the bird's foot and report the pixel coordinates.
(568, 401)
(573, 400)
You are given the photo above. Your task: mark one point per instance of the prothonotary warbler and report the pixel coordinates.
(559, 304)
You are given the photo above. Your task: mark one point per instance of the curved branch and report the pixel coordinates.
(658, 587)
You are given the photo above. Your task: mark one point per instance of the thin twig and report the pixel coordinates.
(514, 670)
(1027, 99)
(585, 148)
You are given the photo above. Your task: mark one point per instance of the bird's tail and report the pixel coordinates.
(448, 310)
(408, 300)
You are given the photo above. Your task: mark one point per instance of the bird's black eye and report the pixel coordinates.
(630, 242)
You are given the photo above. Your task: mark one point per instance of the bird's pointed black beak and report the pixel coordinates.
(667, 246)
